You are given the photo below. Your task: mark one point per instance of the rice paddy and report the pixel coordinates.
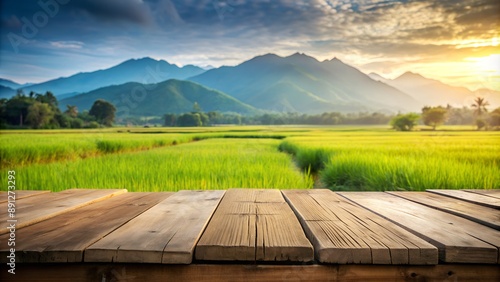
(168, 159)
(401, 161)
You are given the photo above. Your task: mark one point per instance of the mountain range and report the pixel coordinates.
(267, 83)
(299, 83)
(431, 92)
(12, 84)
(145, 70)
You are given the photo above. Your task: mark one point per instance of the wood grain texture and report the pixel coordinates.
(83, 272)
(21, 194)
(459, 240)
(343, 232)
(495, 193)
(35, 209)
(64, 238)
(166, 233)
(480, 214)
(469, 197)
(254, 225)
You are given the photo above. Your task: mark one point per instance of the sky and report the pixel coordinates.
(454, 41)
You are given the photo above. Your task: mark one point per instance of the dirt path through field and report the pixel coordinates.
(318, 184)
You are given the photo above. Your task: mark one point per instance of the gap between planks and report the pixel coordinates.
(343, 232)
(475, 198)
(459, 240)
(254, 225)
(478, 213)
(166, 233)
(64, 238)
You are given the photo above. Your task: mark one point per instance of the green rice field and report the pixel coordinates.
(400, 161)
(171, 159)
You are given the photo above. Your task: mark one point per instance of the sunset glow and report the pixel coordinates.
(489, 64)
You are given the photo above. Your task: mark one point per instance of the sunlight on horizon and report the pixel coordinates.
(471, 72)
(489, 64)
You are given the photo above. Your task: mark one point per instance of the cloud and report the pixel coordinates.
(166, 12)
(133, 11)
(228, 31)
(67, 44)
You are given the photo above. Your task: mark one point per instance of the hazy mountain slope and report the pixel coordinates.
(171, 96)
(9, 83)
(378, 77)
(431, 92)
(6, 92)
(361, 87)
(145, 70)
(303, 84)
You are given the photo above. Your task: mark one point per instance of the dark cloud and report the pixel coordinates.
(134, 11)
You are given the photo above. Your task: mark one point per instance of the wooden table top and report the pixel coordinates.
(300, 227)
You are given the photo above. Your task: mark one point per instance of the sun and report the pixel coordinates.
(488, 65)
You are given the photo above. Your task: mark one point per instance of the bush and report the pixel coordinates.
(76, 123)
(480, 123)
(405, 122)
(93, 124)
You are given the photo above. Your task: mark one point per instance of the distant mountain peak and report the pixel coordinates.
(299, 54)
(301, 57)
(377, 77)
(146, 59)
(207, 67)
(410, 74)
(268, 55)
(334, 60)
(262, 58)
(142, 60)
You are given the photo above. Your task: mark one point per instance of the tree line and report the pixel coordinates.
(435, 116)
(41, 111)
(333, 118)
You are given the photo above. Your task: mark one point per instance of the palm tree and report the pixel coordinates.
(480, 109)
(71, 111)
(480, 106)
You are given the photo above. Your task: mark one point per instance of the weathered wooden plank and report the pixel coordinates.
(166, 233)
(252, 224)
(480, 214)
(64, 238)
(35, 209)
(343, 232)
(495, 193)
(459, 240)
(83, 272)
(469, 197)
(21, 194)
